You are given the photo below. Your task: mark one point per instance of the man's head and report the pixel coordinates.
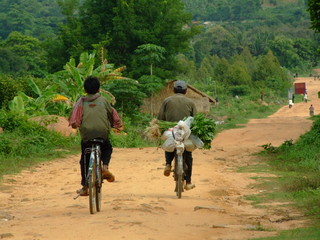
(91, 85)
(180, 87)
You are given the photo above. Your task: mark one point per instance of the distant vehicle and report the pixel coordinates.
(300, 88)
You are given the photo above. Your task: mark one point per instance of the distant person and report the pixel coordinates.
(290, 103)
(262, 96)
(217, 101)
(311, 110)
(293, 98)
(305, 97)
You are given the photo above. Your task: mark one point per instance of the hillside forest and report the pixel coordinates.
(224, 48)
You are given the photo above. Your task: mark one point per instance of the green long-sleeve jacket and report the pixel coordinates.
(176, 107)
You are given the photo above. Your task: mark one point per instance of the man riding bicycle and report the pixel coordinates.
(96, 122)
(174, 109)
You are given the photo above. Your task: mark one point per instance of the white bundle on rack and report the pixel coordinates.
(191, 142)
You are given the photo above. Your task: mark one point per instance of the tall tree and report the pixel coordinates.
(215, 41)
(121, 26)
(150, 54)
(269, 73)
(314, 10)
(282, 47)
(70, 33)
(30, 50)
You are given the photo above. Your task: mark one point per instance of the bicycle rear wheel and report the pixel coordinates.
(98, 187)
(93, 190)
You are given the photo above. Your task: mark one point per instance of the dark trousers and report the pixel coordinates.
(188, 160)
(106, 151)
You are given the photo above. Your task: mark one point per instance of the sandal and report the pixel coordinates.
(189, 186)
(167, 170)
(83, 191)
(106, 174)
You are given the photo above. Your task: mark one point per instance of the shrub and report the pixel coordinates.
(241, 90)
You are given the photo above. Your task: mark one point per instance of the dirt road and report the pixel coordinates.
(38, 204)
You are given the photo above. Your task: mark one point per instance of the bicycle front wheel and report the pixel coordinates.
(92, 190)
(179, 186)
(179, 175)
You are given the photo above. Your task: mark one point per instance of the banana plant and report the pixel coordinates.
(17, 104)
(24, 104)
(71, 79)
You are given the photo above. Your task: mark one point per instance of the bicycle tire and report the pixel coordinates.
(92, 189)
(179, 175)
(98, 185)
(179, 186)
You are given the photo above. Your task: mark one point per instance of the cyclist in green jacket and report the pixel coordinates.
(174, 109)
(96, 122)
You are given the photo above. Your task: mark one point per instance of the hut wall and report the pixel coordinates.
(152, 105)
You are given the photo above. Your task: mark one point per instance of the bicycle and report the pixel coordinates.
(94, 178)
(179, 163)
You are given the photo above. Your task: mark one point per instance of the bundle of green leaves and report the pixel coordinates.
(203, 128)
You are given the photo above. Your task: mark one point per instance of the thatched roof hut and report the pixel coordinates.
(152, 104)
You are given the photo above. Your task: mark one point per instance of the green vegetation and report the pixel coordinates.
(314, 16)
(310, 233)
(24, 142)
(203, 128)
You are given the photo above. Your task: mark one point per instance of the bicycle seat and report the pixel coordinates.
(96, 141)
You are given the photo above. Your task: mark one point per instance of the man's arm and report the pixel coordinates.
(109, 113)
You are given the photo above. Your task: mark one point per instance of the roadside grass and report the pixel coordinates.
(311, 233)
(296, 167)
(19, 149)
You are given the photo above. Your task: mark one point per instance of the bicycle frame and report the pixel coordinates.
(94, 159)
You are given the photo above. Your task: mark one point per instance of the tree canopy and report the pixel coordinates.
(122, 26)
(314, 10)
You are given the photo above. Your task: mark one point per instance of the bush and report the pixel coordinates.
(133, 134)
(22, 137)
(241, 90)
(8, 89)
(127, 94)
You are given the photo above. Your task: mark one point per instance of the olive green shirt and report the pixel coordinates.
(176, 108)
(96, 119)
